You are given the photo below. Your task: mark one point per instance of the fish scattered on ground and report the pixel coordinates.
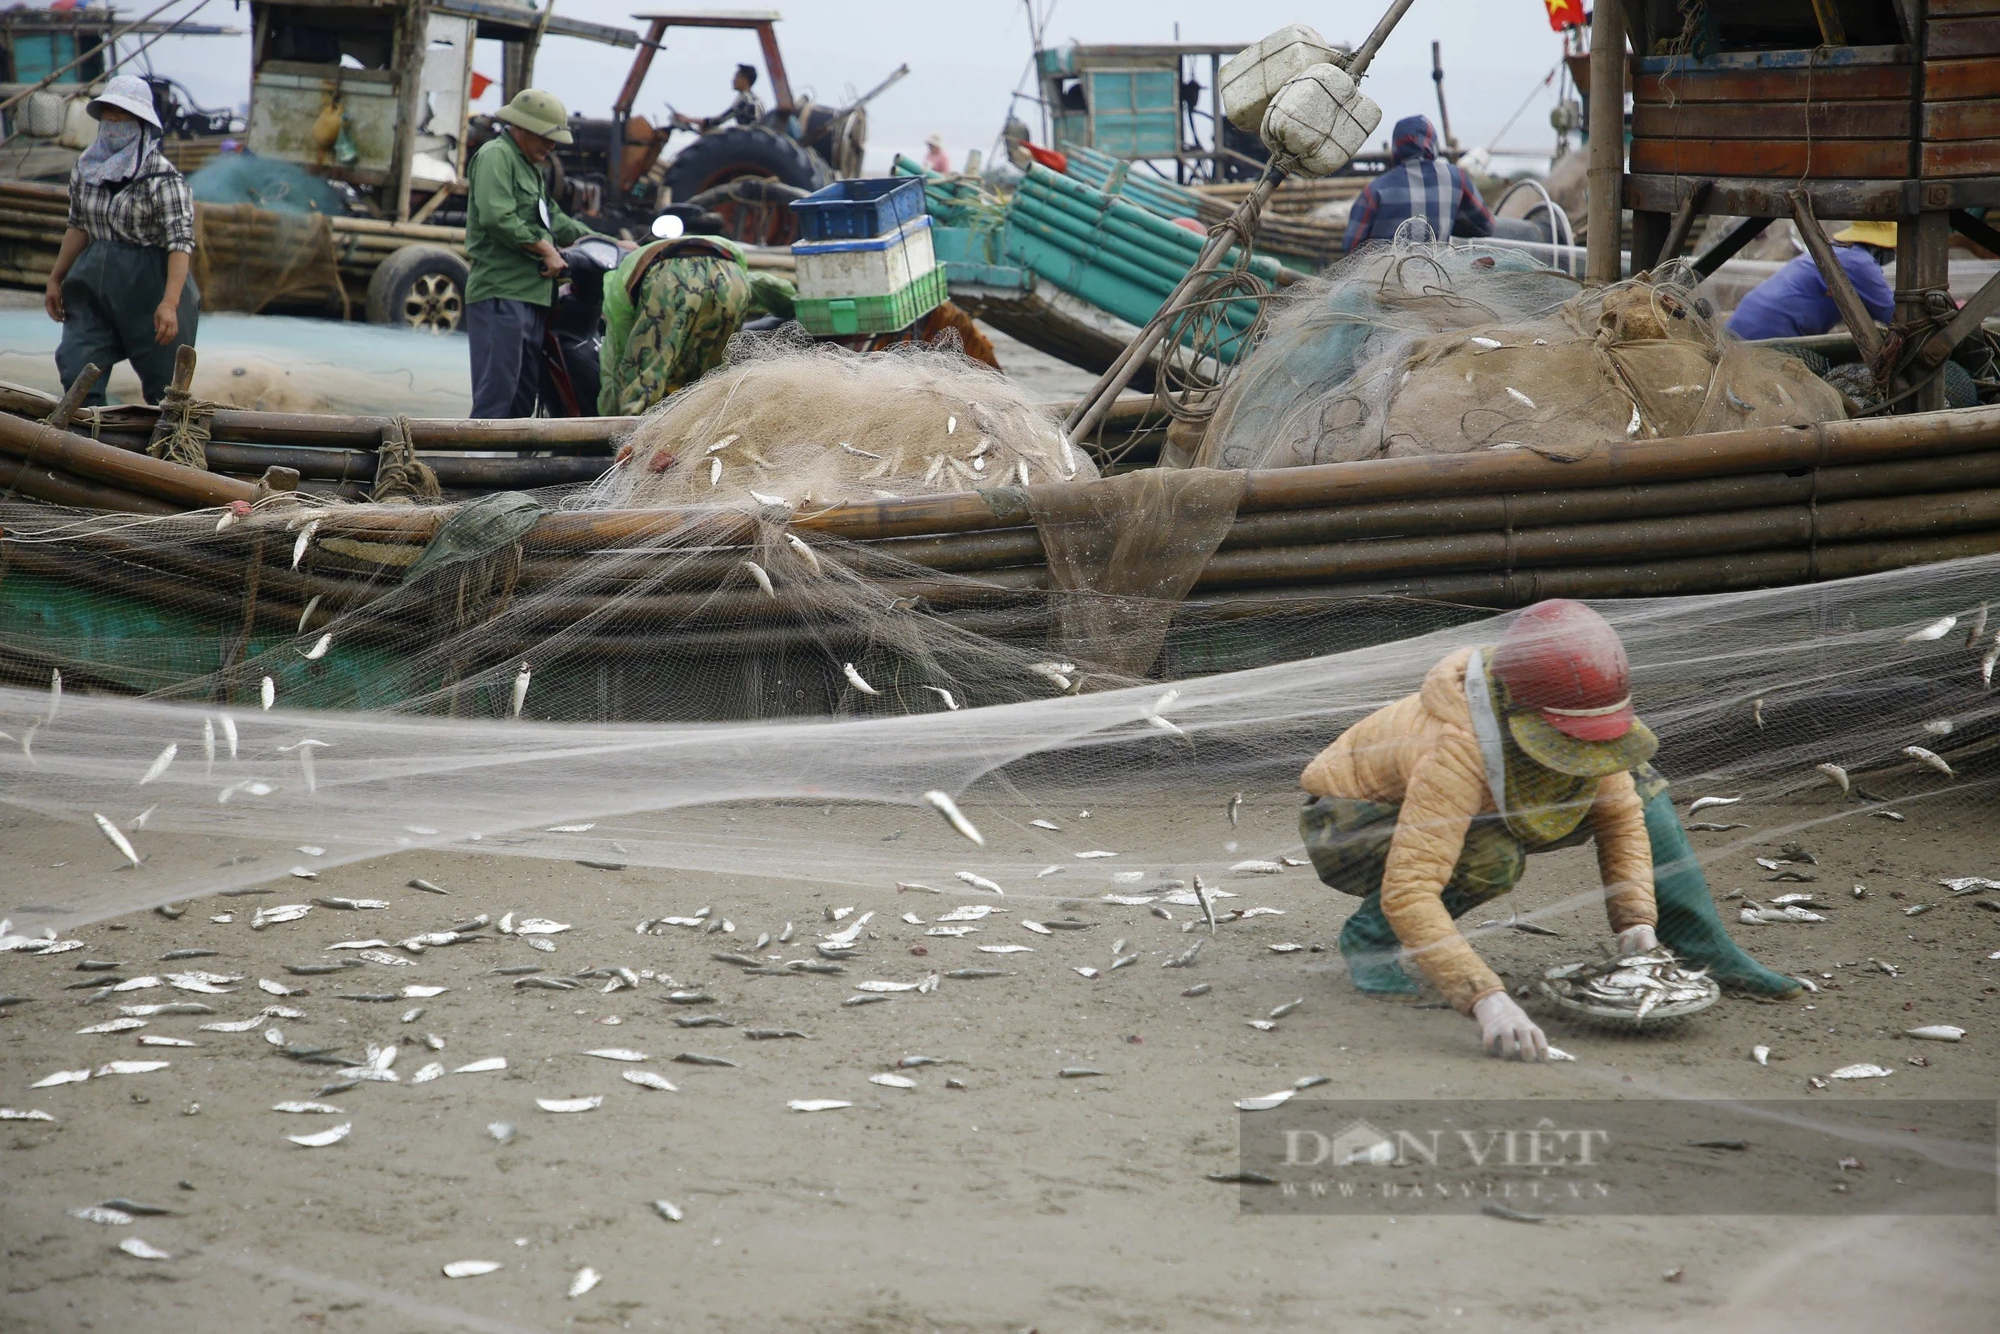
(324, 1137)
(589, 1104)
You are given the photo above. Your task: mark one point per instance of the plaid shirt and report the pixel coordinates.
(1418, 186)
(156, 208)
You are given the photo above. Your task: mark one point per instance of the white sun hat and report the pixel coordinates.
(127, 92)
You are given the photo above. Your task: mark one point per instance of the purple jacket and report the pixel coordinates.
(1794, 302)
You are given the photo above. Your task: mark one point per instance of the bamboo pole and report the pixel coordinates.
(36, 443)
(60, 488)
(1607, 143)
(1322, 486)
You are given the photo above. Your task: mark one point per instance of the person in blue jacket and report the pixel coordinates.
(1418, 186)
(1794, 302)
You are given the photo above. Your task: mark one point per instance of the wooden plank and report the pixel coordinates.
(1819, 58)
(1953, 9)
(1962, 37)
(1976, 119)
(1827, 158)
(1786, 85)
(1945, 80)
(1763, 120)
(1962, 157)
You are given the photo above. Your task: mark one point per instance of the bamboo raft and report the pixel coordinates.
(1702, 514)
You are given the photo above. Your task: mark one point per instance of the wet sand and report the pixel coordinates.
(1022, 1201)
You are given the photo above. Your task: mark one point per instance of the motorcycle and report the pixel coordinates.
(568, 370)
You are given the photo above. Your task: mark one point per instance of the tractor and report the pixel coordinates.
(616, 175)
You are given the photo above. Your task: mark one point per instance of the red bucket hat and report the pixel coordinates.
(1569, 690)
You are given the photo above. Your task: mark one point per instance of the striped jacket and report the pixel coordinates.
(1418, 186)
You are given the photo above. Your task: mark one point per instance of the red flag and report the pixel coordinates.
(480, 83)
(1565, 14)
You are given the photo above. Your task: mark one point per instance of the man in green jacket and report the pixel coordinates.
(513, 235)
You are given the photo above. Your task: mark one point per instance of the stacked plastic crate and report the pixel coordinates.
(865, 260)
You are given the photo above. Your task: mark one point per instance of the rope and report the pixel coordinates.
(399, 476)
(182, 432)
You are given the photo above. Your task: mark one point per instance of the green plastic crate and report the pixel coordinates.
(831, 317)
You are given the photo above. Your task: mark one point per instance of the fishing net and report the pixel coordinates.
(277, 363)
(247, 258)
(1753, 690)
(1415, 348)
(812, 424)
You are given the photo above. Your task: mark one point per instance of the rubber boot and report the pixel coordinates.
(1689, 924)
(1371, 949)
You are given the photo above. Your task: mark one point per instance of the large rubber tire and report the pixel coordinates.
(419, 287)
(748, 150)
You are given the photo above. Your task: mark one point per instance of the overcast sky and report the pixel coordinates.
(967, 56)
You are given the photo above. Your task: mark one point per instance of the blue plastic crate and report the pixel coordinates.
(854, 210)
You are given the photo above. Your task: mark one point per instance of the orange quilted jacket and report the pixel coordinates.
(1421, 753)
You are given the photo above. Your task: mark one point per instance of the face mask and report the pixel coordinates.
(116, 154)
(118, 135)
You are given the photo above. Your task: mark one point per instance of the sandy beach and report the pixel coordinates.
(1018, 1201)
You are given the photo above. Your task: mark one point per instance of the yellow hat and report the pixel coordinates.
(1881, 234)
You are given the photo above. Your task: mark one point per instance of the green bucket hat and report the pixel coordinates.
(1580, 759)
(538, 112)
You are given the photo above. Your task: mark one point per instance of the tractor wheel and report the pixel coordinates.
(419, 287)
(738, 151)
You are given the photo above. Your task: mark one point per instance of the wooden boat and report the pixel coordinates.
(1316, 558)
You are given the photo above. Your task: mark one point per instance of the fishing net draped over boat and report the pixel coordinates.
(817, 425)
(1413, 348)
(1749, 692)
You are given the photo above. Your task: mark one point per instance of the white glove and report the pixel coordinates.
(1637, 940)
(1506, 1031)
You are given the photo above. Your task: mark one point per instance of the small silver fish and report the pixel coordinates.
(1978, 627)
(1986, 663)
(763, 579)
(228, 732)
(1937, 629)
(311, 604)
(777, 502)
(1838, 775)
(118, 840)
(55, 694)
(945, 695)
(1931, 758)
(805, 551)
(160, 763)
(267, 692)
(207, 746)
(300, 547)
(521, 679)
(668, 1210)
(942, 803)
(1757, 713)
(1286, 1008)
(855, 679)
(1235, 806)
(1703, 803)
(319, 648)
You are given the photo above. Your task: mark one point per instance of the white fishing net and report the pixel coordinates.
(1755, 688)
(1415, 348)
(815, 425)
